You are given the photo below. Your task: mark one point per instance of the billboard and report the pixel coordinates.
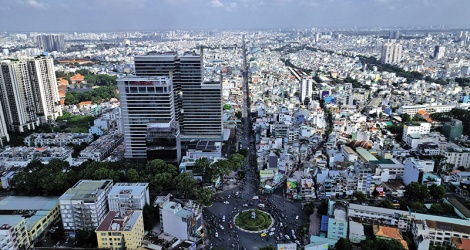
(307, 183)
(291, 183)
(288, 246)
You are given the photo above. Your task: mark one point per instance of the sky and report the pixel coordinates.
(156, 15)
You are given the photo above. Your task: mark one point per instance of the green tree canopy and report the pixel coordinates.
(416, 192)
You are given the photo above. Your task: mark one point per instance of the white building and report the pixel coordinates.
(128, 196)
(428, 108)
(306, 88)
(391, 217)
(431, 230)
(418, 171)
(391, 53)
(181, 222)
(423, 128)
(456, 155)
(85, 205)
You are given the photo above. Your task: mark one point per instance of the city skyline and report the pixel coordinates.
(107, 15)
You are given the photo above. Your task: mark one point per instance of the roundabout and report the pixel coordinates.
(253, 221)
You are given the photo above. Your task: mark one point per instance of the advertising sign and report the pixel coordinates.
(307, 183)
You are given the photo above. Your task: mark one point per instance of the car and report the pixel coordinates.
(237, 193)
(273, 229)
(297, 242)
(222, 227)
(226, 202)
(271, 233)
(216, 234)
(230, 225)
(255, 198)
(287, 237)
(280, 224)
(263, 235)
(297, 217)
(245, 205)
(223, 218)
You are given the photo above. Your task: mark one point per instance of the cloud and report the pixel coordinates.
(33, 4)
(216, 4)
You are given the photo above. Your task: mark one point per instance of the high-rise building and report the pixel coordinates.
(84, 206)
(439, 52)
(29, 93)
(394, 34)
(391, 53)
(348, 95)
(146, 103)
(50, 42)
(306, 88)
(198, 103)
(17, 96)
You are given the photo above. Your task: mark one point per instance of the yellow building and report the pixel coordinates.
(39, 212)
(121, 231)
(13, 234)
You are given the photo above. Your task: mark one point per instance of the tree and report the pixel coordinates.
(386, 204)
(309, 208)
(375, 193)
(133, 175)
(416, 192)
(201, 165)
(204, 196)
(243, 151)
(373, 244)
(151, 216)
(405, 118)
(437, 192)
(343, 244)
(185, 184)
(360, 196)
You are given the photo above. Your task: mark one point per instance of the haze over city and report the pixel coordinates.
(123, 15)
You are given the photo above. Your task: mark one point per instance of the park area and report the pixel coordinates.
(253, 220)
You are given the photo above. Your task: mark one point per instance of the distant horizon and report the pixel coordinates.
(167, 15)
(319, 29)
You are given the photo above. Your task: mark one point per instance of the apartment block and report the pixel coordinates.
(39, 212)
(13, 234)
(431, 230)
(182, 222)
(128, 196)
(85, 205)
(121, 230)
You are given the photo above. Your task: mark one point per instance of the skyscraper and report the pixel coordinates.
(306, 88)
(439, 52)
(198, 102)
(391, 53)
(50, 42)
(46, 93)
(29, 93)
(147, 107)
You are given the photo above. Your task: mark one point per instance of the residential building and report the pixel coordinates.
(102, 147)
(44, 87)
(428, 108)
(182, 222)
(84, 206)
(439, 52)
(452, 129)
(59, 139)
(144, 101)
(29, 93)
(21, 156)
(384, 216)
(419, 171)
(13, 234)
(391, 53)
(456, 155)
(421, 129)
(121, 230)
(50, 42)
(338, 223)
(306, 88)
(348, 97)
(39, 213)
(128, 196)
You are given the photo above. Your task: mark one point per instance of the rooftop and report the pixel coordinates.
(86, 190)
(29, 203)
(128, 188)
(115, 222)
